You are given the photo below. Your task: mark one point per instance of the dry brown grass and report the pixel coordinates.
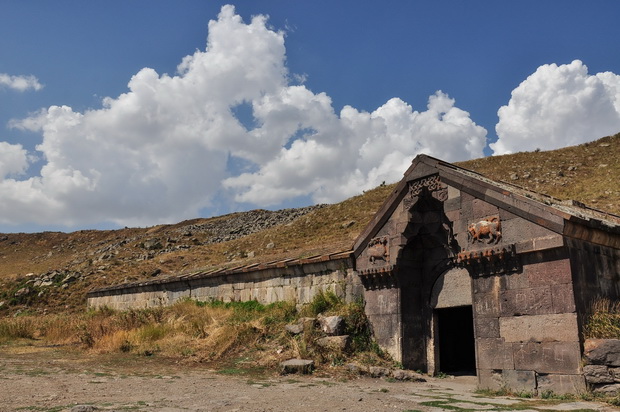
(603, 321)
(588, 173)
(213, 333)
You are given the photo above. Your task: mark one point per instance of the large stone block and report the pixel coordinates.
(453, 288)
(561, 383)
(486, 327)
(386, 330)
(487, 284)
(547, 273)
(481, 209)
(530, 301)
(548, 357)
(519, 381)
(494, 353)
(382, 301)
(490, 379)
(486, 305)
(540, 328)
(515, 281)
(602, 351)
(563, 298)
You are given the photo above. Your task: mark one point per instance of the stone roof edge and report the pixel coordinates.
(518, 200)
(225, 271)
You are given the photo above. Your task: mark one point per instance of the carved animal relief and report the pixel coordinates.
(488, 230)
(378, 249)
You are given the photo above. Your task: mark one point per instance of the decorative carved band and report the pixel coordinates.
(494, 261)
(428, 185)
(379, 278)
(379, 249)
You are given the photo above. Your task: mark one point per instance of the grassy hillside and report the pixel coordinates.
(52, 271)
(588, 173)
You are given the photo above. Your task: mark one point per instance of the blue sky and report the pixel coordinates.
(118, 113)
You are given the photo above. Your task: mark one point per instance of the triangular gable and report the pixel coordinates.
(542, 210)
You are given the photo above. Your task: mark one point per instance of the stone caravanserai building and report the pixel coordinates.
(458, 273)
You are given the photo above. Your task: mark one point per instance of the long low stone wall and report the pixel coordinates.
(298, 283)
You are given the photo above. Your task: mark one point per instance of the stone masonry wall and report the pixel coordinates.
(525, 322)
(298, 284)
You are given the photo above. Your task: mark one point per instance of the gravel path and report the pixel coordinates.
(33, 379)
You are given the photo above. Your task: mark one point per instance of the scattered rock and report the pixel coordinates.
(22, 292)
(294, 329)
(348, 224)
(514, 176)
(602, 351)
(405, 375)
(331, 325)
(70, 278)
(378, 371)
(334, 342)
(527, 175)
(302, 366)
(251, 254)
(597, 374)
(155, 272)
(2, 303)
(615, 372)
(355, 368)
(607, 389)
(270, 245)
(152, 244)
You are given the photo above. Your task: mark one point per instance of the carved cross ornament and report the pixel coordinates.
(427, 185)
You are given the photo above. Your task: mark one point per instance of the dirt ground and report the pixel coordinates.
(57, 379)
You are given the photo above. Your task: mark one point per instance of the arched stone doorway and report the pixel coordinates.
(452, 346)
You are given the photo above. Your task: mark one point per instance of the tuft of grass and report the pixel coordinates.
(603, 320)
(21, 327)
(324, 302)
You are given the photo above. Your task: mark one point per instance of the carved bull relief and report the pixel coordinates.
(488, 229)
(378, 249)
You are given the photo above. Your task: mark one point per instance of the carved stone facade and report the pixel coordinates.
(451, 250)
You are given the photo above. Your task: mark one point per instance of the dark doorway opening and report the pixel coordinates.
(455, 329)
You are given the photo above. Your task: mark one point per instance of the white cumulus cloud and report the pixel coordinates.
(339, 156)
(20, 83)
(559, 106)
(163, 150)
(13, 159)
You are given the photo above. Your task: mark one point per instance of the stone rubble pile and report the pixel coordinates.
(602, 369)
(230, 227)
(53, 278)
(245, 224)
(333, 327)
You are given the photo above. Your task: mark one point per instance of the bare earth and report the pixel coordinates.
(48, 379)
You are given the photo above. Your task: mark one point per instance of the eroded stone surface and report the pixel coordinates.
(602, 351)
